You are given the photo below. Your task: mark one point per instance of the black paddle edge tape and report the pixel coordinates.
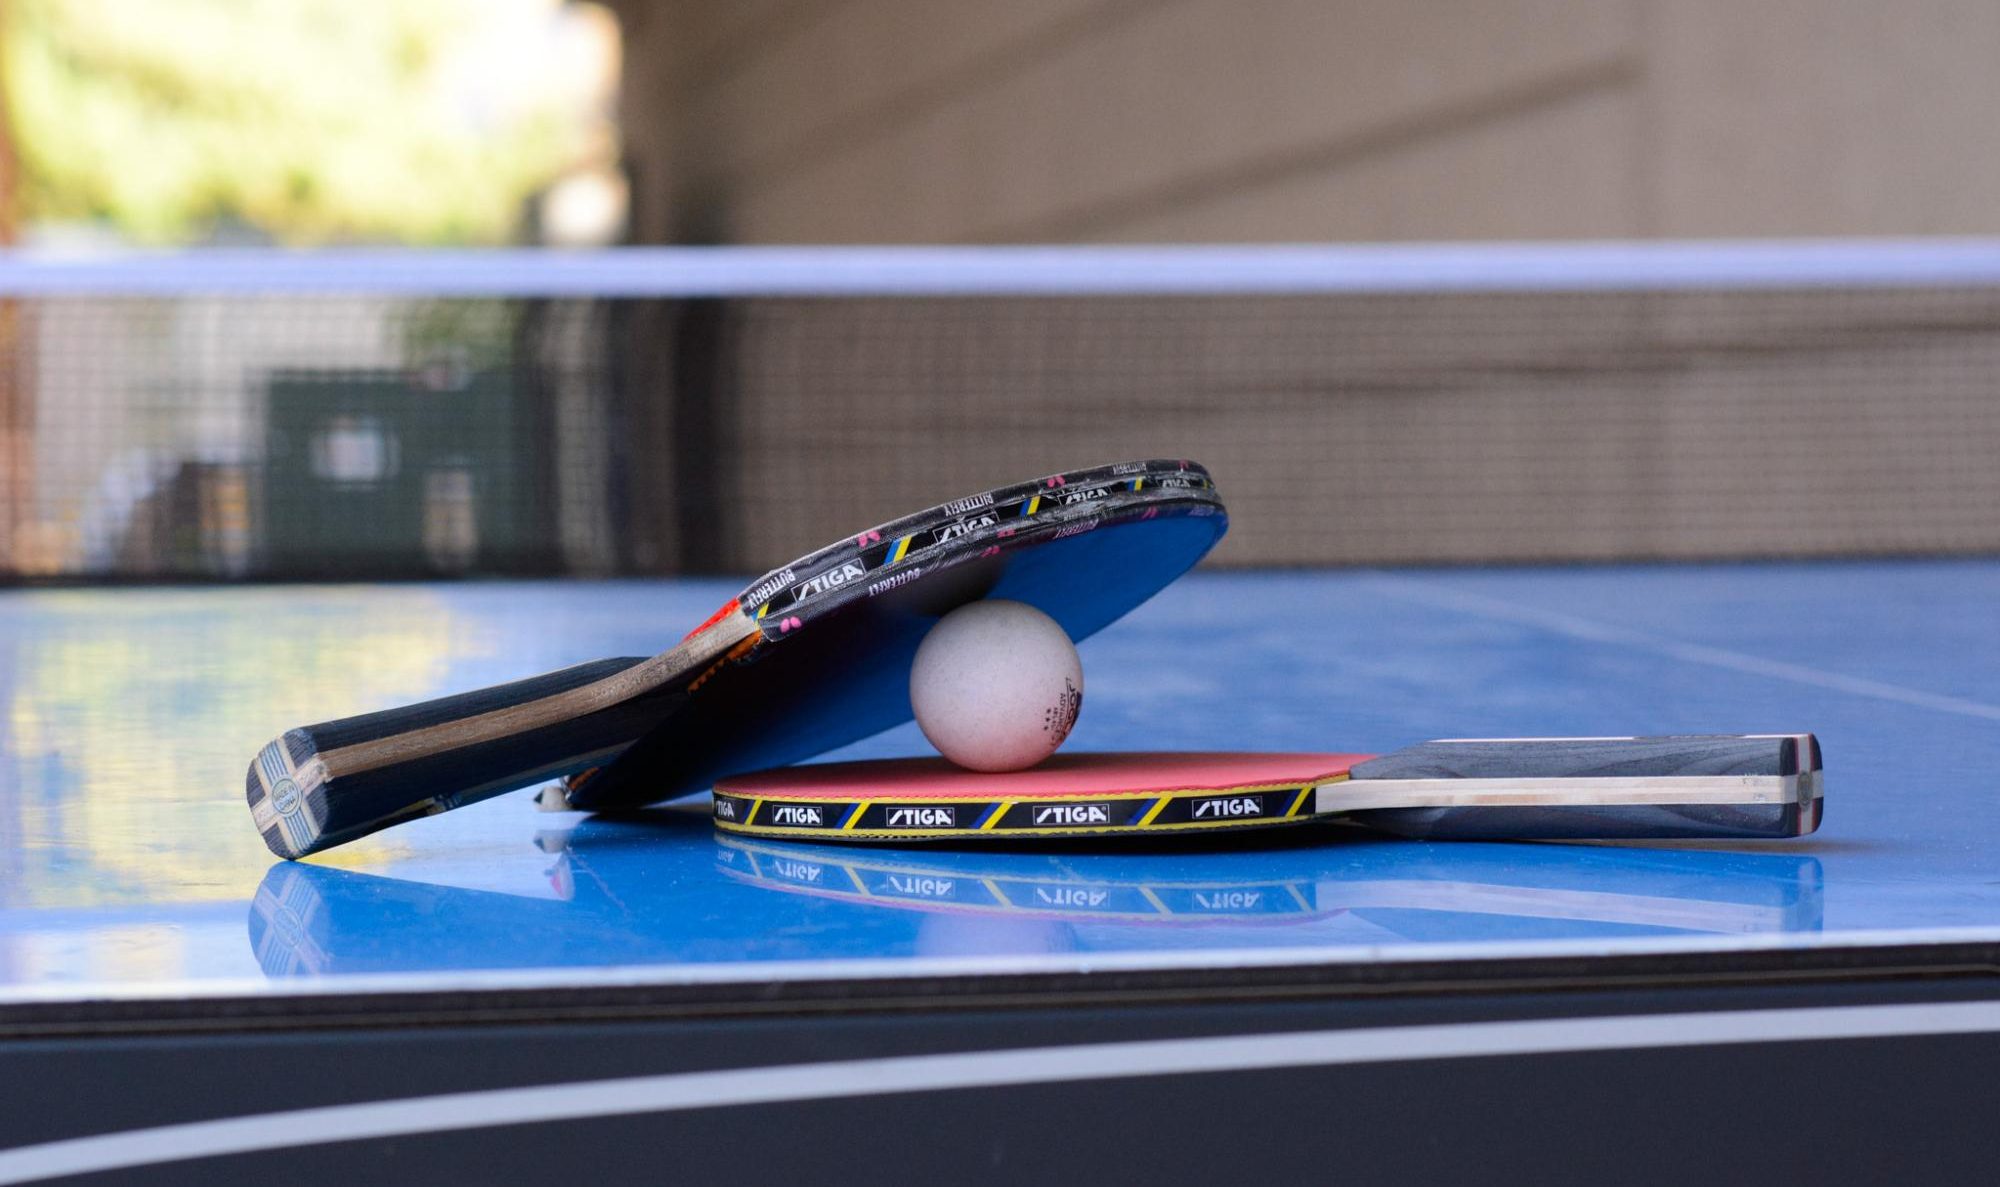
(830, 581)
(1008, 536)
(795, 582)
(1855, 973)
(915, 548)
(1005, 818)
(1651, 822)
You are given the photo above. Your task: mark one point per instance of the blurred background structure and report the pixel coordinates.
(305, 121)
(895, 121)
(241, 408)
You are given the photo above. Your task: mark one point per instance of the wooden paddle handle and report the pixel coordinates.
(321, 785)
(1679, 787)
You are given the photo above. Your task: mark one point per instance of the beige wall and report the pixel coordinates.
(764, 121)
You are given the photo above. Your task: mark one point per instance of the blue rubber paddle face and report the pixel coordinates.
(845, 674)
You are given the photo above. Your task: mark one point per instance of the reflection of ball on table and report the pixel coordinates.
(996, 685)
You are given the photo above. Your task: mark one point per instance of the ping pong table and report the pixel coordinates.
(503, 992)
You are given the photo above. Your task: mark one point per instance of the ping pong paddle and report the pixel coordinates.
(1738, 786)
(809, 657)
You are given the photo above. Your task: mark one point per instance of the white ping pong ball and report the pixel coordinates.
(996, 685)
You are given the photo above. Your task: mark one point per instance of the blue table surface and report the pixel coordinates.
(128, 865)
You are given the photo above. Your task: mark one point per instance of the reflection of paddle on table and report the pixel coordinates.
(1415, 896)
(1714, 786)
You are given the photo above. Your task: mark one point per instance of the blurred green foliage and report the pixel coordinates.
(310, 120)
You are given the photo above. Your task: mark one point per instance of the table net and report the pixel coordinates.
(363, 415)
